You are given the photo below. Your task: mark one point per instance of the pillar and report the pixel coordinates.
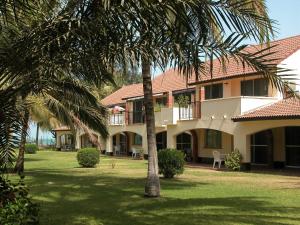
(242, 144)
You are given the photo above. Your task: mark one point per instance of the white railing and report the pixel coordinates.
(186, 113)
(117, 119)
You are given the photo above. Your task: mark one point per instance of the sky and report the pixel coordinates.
(285, 12)
(287, 15)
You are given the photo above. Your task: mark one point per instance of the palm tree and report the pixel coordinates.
(85, 39)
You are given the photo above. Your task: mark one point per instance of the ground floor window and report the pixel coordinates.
(184, 142)
(161, 140)
(260, 147)
(213, 139)
(292, 146)
(138, 139)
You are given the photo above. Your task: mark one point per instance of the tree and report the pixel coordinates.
(85, 39)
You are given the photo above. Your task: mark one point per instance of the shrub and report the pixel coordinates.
(88, 157)
(170, 162)
(233, 160)
(31, 148)
(16, 208)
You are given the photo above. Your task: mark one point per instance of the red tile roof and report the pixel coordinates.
(281, 50)
(283, 109)
(171, 80)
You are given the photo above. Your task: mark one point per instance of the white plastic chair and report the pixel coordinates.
(134, 152)
(218, 158)
(117, 149)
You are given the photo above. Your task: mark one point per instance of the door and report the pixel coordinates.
(138, 111)
(292, 146)
(262, 148)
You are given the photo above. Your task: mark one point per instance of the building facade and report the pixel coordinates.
(233, 109)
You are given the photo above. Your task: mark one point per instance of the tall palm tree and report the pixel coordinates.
(85, 39)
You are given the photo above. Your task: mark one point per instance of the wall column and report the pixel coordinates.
(242, 144)
(109, 144)
(58, 140)
(171, 140)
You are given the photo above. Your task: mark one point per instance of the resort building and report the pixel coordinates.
(227, 110)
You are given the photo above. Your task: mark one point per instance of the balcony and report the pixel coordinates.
(232, 106)
(117, 118)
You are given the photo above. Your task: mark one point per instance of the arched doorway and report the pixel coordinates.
(121, 143)
(67, 142)
(86, 142)
(184, 143)
(292, 146)
(161, 140)
(262, 148)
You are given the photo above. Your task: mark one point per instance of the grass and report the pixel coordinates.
(69, 194)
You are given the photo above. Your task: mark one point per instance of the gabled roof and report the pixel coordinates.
(171, 80)
(283, 109)
(281, 49)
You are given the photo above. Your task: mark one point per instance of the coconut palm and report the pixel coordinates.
(85, 39)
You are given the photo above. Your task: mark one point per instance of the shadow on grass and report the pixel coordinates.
(102, 199)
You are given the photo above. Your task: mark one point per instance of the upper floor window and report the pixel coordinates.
(257, 87)
(162, 101)
(214, 91)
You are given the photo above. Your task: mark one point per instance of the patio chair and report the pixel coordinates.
(135, 152)
(117, 149)
(218, 158)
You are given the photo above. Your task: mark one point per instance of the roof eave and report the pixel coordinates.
(224, 78)
(246, 119)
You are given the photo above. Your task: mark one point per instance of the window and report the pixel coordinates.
(184, 142)
(162, 101)
(213, 139)
(257, 87)
(138, 139)
(292, 146)
(260, 147)
(161, 140)
(214, 91)
(187, 97)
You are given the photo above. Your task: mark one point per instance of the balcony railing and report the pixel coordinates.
(117, 118)
(190, 111)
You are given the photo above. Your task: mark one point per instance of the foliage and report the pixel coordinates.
(183, 100)
(88, 157)
(170, 162)
(31, 148)
(233, 160)
(16, 207)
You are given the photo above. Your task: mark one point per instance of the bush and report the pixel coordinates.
(16, 208)
(88, 157)
(31, 148)
(170, 162)
(233, 160)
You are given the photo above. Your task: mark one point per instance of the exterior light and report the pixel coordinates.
(225, 116)
(212, 117)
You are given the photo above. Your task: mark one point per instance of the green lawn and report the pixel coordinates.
(69, 194)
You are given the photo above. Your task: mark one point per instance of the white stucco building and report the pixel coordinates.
(232, 109)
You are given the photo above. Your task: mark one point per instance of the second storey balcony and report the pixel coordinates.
(207, 109)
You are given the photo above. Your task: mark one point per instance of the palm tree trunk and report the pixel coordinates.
(37, 134)
(152, 187)
(19, 168)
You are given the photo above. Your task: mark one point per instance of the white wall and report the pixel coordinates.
(293, 63)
